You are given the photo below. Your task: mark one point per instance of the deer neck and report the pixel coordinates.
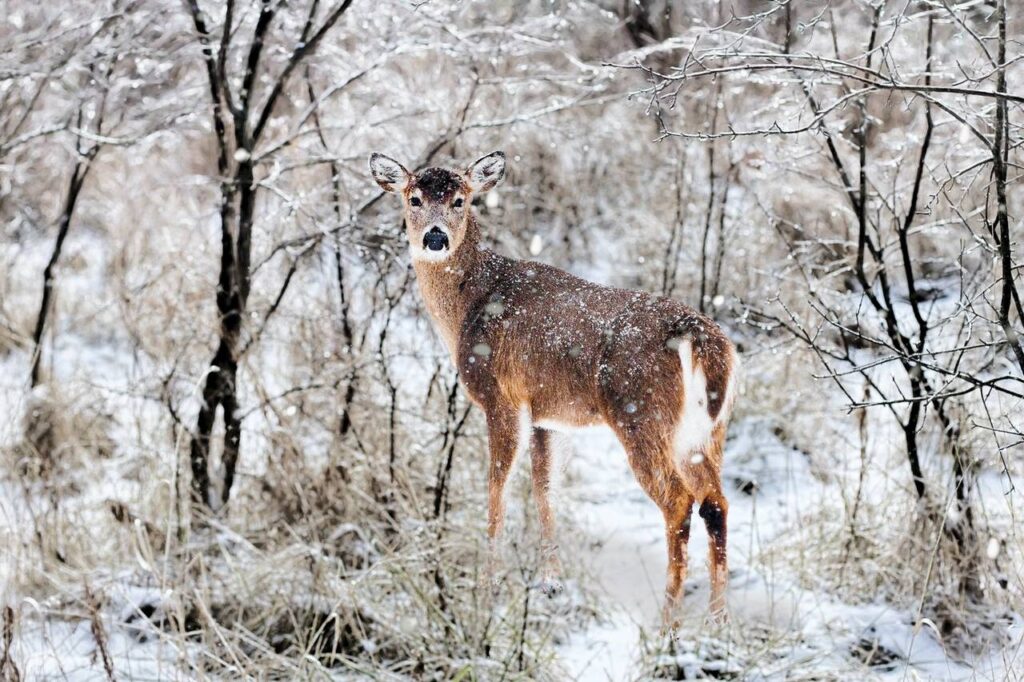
(446, 286)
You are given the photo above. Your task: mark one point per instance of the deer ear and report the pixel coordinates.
(486, 172)
(389, 174)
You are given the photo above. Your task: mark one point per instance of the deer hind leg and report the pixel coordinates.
(503, 443)
(657, 476)
(541, 460)
(677, 513)
(714, 509)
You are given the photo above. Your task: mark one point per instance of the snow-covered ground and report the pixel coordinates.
(778, 625)
(797, 628)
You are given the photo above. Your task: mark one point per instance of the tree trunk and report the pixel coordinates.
(78, 174)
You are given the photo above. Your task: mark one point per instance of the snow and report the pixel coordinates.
(773, 489)
(56, 644)
(628, 560)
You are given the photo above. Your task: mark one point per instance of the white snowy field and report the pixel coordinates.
(789, 629)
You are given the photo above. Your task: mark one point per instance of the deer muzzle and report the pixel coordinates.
(435, 239)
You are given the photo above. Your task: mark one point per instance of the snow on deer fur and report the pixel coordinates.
(539, 350)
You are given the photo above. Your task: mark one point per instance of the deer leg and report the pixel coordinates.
(540, 459)
(502, 439)
(714, 509)
(678, 509)
(658, 477)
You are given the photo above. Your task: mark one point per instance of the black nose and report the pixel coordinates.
(435, 240)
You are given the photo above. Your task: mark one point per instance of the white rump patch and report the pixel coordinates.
(695, 425)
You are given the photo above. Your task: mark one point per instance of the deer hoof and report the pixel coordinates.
(718, 616)
(671, 620)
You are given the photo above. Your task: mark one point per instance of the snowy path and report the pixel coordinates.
(628, 560)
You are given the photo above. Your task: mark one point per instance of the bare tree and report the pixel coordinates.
(85, 152)
(95, 59)
(241, 106)
(948, 357)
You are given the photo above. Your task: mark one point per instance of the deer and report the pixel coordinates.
(540, 350)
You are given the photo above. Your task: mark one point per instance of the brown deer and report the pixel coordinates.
(540, 350)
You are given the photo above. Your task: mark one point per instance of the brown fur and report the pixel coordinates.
(524, 334)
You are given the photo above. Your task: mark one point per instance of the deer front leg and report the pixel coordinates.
(503, 443)
(541, 460)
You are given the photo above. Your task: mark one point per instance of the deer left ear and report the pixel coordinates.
(486, 172)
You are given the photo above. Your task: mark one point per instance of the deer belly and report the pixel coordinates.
(566, 427)
(568, 419)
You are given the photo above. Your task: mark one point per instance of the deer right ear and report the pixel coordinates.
(389, 174)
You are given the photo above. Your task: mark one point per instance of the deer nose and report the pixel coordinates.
(435, 239)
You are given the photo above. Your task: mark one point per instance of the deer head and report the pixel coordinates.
(435, 202)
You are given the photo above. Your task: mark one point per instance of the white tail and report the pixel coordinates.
(696, 426)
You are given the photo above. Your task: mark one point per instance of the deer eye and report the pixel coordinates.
(457, 203)
(415, 201)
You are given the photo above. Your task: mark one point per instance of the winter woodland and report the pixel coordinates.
(232, 445)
